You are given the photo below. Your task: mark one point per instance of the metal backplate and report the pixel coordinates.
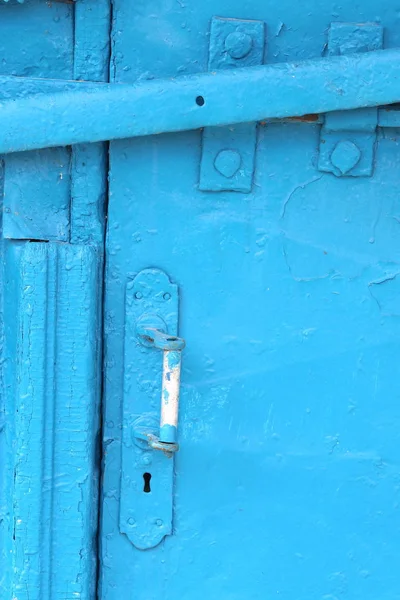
(348, 139)
(228, 153)
(147, 474)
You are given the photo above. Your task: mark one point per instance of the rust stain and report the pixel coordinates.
(306, 118)
(391, 107)
(310, 118)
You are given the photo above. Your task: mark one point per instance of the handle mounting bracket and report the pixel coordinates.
(152, 352)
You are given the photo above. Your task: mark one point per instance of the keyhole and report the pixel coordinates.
(146, 479)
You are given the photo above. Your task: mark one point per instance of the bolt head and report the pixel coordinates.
(146, 459)
(238, 44)
(345, 156)
(227, 163)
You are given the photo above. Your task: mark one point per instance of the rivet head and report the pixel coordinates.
(159, 523)
(138, 295)
(238, 44)
(131, 521)
(146, 459)
(227, 162)
(345, 156)
(167, 296)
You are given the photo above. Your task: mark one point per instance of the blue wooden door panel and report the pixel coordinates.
(286, 480)
(36, 39)
(51, 316)
(51, 249)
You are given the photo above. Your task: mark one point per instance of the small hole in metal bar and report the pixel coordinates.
(200, 101)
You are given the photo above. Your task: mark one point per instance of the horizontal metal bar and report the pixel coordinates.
(42, 113)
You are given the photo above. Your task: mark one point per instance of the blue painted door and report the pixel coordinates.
(251, 288)
(282, 241)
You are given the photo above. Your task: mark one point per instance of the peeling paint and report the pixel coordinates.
(386, 293)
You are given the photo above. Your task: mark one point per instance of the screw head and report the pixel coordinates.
(138, 295)
(167, 296)
(227, 162)
(345, 156)
(146, 459)
(131, 521)
(238, 44)
(159, 523)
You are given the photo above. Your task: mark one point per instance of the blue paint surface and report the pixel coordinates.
(287, 477)
(82, 112)
(43, 174)
(168, 434)
(51, 257)
(144, 517)
(348, 139)
(228, 153)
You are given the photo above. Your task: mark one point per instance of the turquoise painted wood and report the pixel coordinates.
(199, 325)
(52, 224)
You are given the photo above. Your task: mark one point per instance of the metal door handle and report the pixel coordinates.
(172, 347)
(147, 475)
